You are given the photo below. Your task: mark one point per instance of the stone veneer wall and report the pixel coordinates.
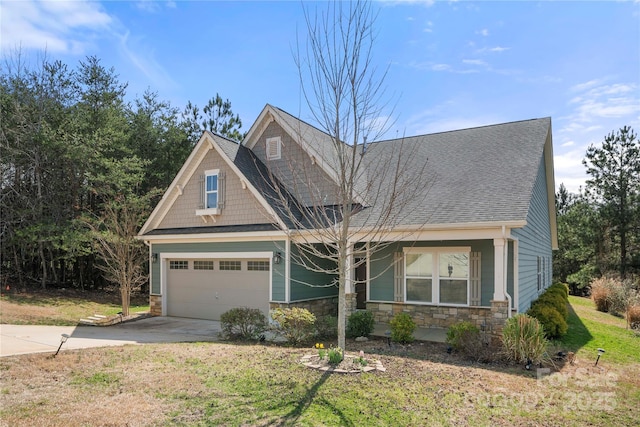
(319, 307)
(490, 319)
(351, 302)
(155, 305)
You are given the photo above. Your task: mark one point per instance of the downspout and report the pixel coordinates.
(506, 261)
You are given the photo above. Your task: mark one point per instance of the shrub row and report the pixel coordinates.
(551, 310)
(298, 325)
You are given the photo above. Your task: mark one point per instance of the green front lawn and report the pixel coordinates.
(590, 329)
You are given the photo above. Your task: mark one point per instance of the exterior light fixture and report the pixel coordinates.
(600, 353)
(277, 258)
(154, 257)
(63, 339)
(450, 268)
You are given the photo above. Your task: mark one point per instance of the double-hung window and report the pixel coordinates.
(211, 190)
(437, 275)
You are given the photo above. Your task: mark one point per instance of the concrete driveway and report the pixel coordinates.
(25, 339)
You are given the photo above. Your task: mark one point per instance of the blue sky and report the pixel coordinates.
(451, 64)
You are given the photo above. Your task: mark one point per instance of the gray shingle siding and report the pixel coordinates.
(534, 240)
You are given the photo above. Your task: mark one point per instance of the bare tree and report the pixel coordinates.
(371, 188)
(123, 256)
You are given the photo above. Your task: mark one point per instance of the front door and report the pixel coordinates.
(361, 285)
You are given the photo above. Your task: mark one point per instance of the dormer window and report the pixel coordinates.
(273, 148)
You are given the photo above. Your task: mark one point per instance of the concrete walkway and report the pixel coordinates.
(25, 339)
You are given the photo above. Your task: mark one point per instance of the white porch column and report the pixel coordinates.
(348, 282)
(499, 268)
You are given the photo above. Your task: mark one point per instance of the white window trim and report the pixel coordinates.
(268, 148)
(435, 277)
(210, 211)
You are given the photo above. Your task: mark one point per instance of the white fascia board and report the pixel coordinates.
(217, 255)
(170, 195)
(551, 189)
(264, 119)
(461, 231)
(216, 237)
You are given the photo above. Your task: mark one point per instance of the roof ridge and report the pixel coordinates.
(461, 130)
(299, 119)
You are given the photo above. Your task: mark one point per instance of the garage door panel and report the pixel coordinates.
(206, 294)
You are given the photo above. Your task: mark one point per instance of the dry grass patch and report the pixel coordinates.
(235, 384)
(63, 308)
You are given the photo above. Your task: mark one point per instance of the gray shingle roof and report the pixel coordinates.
(483, 174)
(471, 175)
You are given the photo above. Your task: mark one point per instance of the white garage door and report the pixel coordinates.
(206, 288)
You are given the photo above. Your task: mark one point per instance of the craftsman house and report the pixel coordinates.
(474, 243)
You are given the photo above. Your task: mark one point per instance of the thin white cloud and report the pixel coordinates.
(154, 6)
(497, 49)
(58, 27)
(483, 32)
(475, 62)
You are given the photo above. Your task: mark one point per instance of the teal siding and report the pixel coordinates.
(382, 271)
(277, 275)
(534, 240)
(307, 284)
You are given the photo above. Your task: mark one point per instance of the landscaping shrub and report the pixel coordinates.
(613, 296)
(459, 332)
(554, 324)
(244, 323)
(600, 290)
(555, 300)
(360, 324)
(524, 340)
(402, 327)
(633, 317)
(465, 338)
(561, 287)
(326, 326)
(295, 324)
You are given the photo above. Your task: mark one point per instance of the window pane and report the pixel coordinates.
(203, 265)
(454, 265)
(230, 265)
(212, 182)
(419, 265)
(453, 291)
(212, 200)
(258, 265)
(419, 290)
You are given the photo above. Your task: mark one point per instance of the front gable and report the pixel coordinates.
(294, 167)
(182, 204)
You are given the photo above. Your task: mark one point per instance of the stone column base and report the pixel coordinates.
(351, 302)
(155, 305)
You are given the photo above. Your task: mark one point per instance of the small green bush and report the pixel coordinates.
(555, 300)
(295, 324)
(562, 287)
(360, 324)
(524, 339)
(326, 327)
(555, 326)
(335, 355)
(243, 323)
(402, 327)
(460, 332)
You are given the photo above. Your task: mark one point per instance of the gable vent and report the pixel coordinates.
(273, 148)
